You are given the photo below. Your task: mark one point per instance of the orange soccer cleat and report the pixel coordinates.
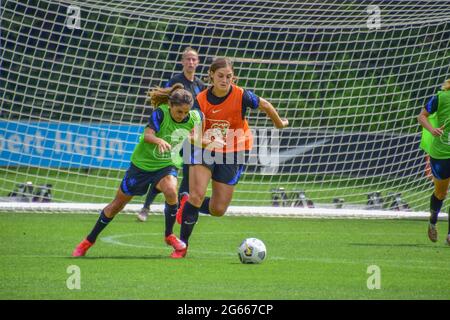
(176, 243)
(184, 198)
(82, 248)
(178, 254)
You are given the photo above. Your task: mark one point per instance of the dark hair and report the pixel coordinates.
(176, 95)
(219, 63)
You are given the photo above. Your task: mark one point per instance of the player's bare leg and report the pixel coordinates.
(199, 177)
(107, 214)
(221, 197)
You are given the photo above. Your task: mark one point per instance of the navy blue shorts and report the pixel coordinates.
(226, 173)
(137, 181)
(225, 168)
(440, 168)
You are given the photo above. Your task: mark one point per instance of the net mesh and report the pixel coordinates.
(350, 76)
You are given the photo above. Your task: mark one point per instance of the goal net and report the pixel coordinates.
(351, 77)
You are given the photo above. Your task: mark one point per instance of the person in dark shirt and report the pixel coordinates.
(190, 61)
(187, 77)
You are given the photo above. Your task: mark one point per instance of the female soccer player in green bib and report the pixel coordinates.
(155, 161)
(439, 152)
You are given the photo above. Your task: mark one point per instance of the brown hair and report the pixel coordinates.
(446, 85)
(176, 95)
(219, 63)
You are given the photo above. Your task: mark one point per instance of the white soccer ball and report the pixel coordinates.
(252, 250)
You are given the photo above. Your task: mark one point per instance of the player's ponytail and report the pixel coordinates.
(446, 85)
(176, 95)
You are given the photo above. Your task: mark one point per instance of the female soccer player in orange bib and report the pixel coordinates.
(225, 141)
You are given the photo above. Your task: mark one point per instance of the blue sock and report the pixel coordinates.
(151, 195)
(435, 207)
(101, 224)
(204, 208)
(184, 185)
(170, 212)
(190, 217)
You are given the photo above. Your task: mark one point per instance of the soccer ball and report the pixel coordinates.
(252, 250)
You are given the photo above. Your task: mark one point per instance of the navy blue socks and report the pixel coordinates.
(151, 195)
(170, 212)
(435, 207)
(204, 208)
(190, 217)
(101, 224)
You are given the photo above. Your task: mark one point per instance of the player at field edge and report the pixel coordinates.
(425, 144)
(224, 106)
(439, 153)
(190, 61)
(155, 161)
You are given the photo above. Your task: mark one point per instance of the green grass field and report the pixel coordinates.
(307, 259)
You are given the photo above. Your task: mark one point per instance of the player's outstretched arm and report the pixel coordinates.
(272, 113)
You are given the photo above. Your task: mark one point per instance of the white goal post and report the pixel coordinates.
(351, 77)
